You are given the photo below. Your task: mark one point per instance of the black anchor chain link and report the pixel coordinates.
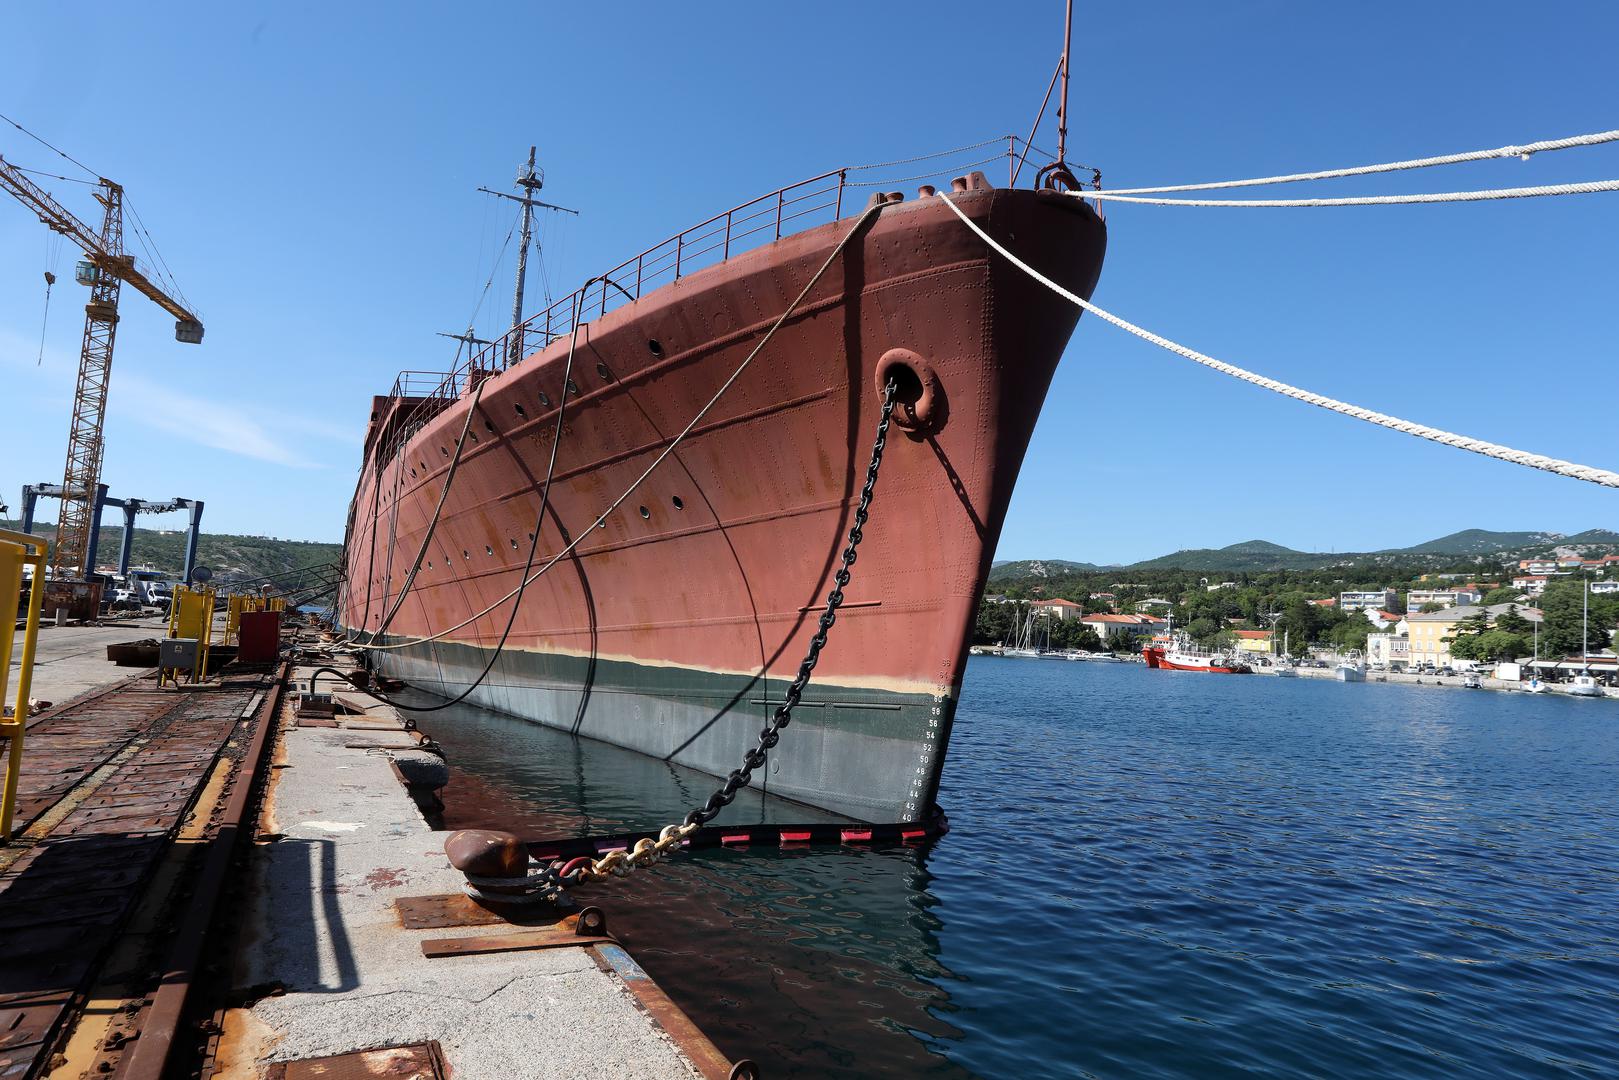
(771, 735)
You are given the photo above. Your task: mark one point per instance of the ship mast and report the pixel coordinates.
(1062, 105)
(529, 180)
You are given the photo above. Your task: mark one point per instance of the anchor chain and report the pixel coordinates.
(648, 851)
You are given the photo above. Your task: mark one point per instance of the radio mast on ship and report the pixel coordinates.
(529, 180)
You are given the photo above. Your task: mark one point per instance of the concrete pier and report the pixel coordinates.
(205, 884)
(323, 944)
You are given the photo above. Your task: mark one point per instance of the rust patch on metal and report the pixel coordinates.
(687, 1036)
(560, 936)
(416, 1061)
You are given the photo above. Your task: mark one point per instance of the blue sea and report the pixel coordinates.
(1149, 874)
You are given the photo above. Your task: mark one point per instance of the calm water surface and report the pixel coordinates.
(1149, 874)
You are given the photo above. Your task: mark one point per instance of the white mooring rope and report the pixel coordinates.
(1461, 442)
(1594, 139)
(1584, 188)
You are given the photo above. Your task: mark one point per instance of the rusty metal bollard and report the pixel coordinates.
(496, 866)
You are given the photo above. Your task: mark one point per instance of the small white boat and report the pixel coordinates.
(1534, 686)
(1472, 682)
(1349, 671)
(1286, 671)
(1585, 686)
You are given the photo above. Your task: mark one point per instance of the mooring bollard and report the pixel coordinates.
(496, 866)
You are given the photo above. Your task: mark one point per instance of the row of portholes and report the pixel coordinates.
(646, 515)
(653, 346)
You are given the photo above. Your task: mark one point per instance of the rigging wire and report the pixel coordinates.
(150, 243)
(1584, 188)
(48, 146)
(929, 157)
(493, 270)
(534, 541)
(1422, 431)
(55, 176)
(1544, 146)
(601, 519)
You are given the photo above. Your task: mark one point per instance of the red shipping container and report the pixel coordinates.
(259, 637)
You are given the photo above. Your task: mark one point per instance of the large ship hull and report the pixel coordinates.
(675, 627)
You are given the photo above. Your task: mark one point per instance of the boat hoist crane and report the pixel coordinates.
(106, 267)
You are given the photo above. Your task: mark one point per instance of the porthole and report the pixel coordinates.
(430, 564)
(413, 472)
(489, 427)
(601, 369)
(655, 347)
(514, 545)
(545, 399)
(465, 554)
(443, 451)
(679, 503)
(520, 410)
(487, 550)
(531, 538)
(573, 388)
(645, 513)
(473, 435)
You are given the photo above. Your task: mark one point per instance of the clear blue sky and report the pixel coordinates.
(309, 172)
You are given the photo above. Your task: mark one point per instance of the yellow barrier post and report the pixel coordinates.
(15, 550)
(192, 616)
(236, 603)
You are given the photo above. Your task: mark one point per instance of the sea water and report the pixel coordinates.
(1148, 874)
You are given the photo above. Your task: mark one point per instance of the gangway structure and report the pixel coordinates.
(32, 492)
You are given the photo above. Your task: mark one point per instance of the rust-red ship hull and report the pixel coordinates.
(674, 628)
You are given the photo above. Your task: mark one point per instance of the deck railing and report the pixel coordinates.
(817, 200)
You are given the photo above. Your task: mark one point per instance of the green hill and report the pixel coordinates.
(1037, 568)
(226, 554)
(1257, 556)
(1476, 542)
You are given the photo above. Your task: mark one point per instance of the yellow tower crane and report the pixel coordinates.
(105, 268)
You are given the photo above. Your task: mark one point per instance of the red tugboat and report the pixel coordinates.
(1181, 655)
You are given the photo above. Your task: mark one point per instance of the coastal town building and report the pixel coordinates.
(1416, 599)
(1058, 608)
(1538, 566)
(1382, 620)
(1430, 632)
(1148, 605)
(1255, 641)
(1113, 626)
(1600, 587)
(1330, 601)
(1532, 584)
(1392, 651)
(1376, 599)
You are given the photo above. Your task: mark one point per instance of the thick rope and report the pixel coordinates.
(432, 525)
(601, 519)
(1461, 442)
(1585, 188)
(1593, 139)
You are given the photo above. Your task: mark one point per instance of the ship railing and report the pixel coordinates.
(818, 200)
